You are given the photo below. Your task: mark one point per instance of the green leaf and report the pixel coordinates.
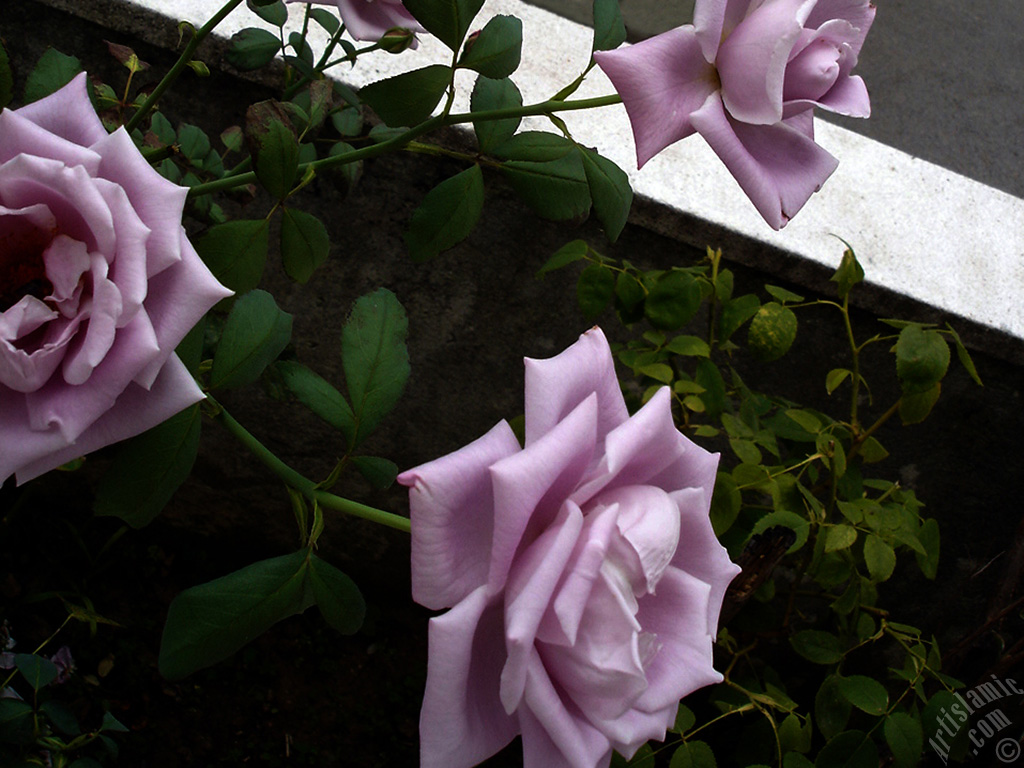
(964, 356)
(772, 331)
(16, 722)
(6, 78)
(567, 254)
(848, 274)
(447, 20)
(610, 191)
(836, 377)
(53, 72)
(148, 469)
(850, 749)
(609, 31)
(236, 252)
(489, 95)
(922, 358)
(337, 596)
(209, 622)
(782, 294)
(447, 215)
(594, 289)
(865, 694)
(817, 647)
(807, 420)
(317, 394)
(629, 293)
(690, 346)
(555, 189)
(495, 51)
(62, 717)
(915, 407)
(905, 738)
(380, 473)
(305, 243)
(800, 526)
(252, 48)
(409, 98)
(726, 501)
(535, 146)
(928, 535)
(325, 19)
(375, 359)
(880, 558)
(111, 723)
(795, 733)
(37, 670)
(871, 450)
(831, 710)
(693, 754)
(840, 537)
(735, 313)
(796, 760)
(672, 301)
(255, 333)
(274, 145)
(685, 719)
(273, 13)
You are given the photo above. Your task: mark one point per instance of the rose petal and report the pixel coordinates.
(452, 511)
(23, 136)
(699, 554)
(635, 451)
(157, 202)
(661, 81)
(462, 721)
(531, 585)
(137, 410)
(677, 614)
(370, 19)
(68, 113)
(752, 60)
(778, 167)
(177, 298)
(715, 19)
(557, 385)
(555, 733)
(530, 485)
(648, 523)
(73, 409)
(860, 14)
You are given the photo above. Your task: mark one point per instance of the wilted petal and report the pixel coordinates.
(557, 385)
(777, 166)
(462, 721)
(452, 512)
(752, 60)
(661, 80)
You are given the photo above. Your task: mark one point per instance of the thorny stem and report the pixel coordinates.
(301, 483)
(440, 121)
(180, 64)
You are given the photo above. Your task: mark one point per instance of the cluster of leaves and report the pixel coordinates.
(38, 726)
(796, 506)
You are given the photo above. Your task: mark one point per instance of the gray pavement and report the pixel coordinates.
(946, 78)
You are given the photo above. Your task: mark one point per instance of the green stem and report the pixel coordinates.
(180, 64)
(397, 142)
(301, 483)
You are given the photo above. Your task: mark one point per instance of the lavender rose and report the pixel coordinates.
(582, 573)
(370, 19)
(747, 75)
(98, 284)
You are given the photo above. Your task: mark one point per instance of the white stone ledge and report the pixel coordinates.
(921, 231)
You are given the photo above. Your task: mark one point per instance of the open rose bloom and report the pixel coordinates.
(747, 75)
(581, 570)
(98, 285)
(370, 19)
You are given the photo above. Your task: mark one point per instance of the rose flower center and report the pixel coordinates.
(22, 271)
